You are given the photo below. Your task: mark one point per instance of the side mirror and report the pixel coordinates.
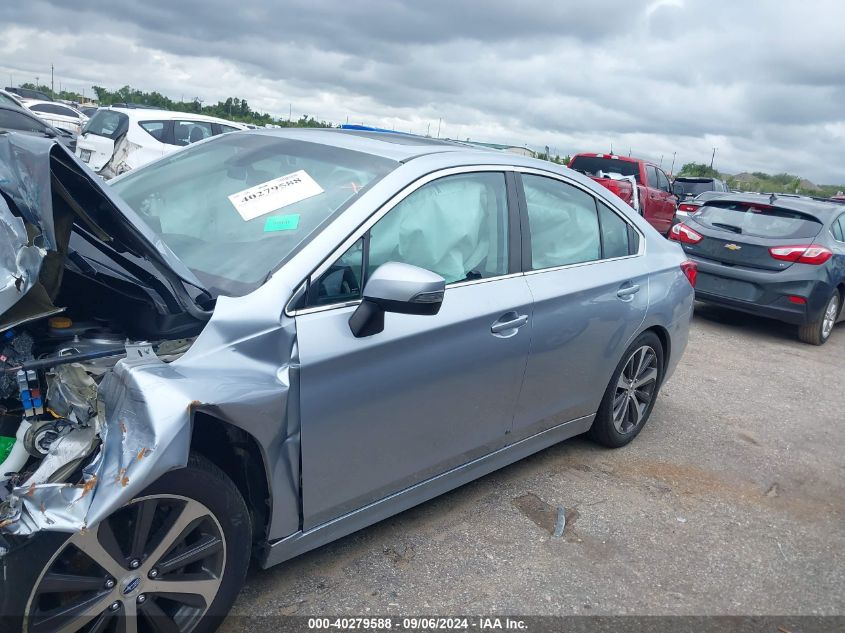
(399, 288)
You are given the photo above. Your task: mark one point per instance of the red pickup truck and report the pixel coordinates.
(641, 184)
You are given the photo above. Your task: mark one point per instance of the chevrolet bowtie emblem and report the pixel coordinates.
(733, 247)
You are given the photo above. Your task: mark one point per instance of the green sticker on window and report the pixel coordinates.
(281, 223)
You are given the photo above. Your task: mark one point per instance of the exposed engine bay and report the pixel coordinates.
(49, 395)
(82, 287)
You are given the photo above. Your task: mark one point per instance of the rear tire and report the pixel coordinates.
(189, 533)
(631, 394)
(819, 331)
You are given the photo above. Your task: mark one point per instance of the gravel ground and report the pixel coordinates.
(731, 501)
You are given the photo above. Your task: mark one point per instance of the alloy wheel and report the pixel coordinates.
(156, 564)
(830, 313)
(635, 389)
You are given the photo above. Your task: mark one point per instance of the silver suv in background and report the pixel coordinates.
(274, 338)
(117, 139)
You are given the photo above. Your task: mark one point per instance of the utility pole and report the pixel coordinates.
(672, 169)
(713, 157)
(290, 112)
(438, 126)
(52, 85)
(661, 161)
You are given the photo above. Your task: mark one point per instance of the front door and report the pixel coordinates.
(429, 393)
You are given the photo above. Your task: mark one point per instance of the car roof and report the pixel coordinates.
(819, 209)
(392, 145)
(695, 178)
(153, 114)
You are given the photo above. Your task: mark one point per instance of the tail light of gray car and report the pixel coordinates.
(688, 208)
(813, 254)
(684, 234)
(690, 270)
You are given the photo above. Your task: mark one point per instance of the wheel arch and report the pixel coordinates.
(236, 453)
(665, 341)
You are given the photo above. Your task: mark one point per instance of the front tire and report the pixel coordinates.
(819, 331)
(173, 558)
(631, 394)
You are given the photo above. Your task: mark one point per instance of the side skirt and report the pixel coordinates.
(301, 542)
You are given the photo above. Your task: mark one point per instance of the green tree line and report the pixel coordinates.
(762, 182)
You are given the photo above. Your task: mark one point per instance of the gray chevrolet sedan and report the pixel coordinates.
(272, 339)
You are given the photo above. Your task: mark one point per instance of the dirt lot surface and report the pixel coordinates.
(731, 501)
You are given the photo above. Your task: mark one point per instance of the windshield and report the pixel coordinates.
(236, 207)
(108, 123)
(593, 165)
(759, 221)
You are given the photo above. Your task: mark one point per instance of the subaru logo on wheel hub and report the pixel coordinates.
(131, 586)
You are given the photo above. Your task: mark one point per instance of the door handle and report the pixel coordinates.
(627, 293)
(513, 322)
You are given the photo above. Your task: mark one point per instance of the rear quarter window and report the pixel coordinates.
(759, 221)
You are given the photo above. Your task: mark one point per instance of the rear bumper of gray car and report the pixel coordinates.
(765, 293)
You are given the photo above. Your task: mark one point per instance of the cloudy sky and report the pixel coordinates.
(761, 80)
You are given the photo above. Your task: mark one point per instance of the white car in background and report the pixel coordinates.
(118, 139)
(60, 115)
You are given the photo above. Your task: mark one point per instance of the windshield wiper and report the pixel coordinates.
(728, 227)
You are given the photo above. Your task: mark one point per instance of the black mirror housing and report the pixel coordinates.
(398, 288)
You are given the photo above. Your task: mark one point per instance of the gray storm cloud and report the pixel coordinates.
(762, 81)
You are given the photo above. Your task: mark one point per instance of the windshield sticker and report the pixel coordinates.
(281, 223)
(274, 194)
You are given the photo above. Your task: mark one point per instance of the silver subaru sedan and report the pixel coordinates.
(271, 339)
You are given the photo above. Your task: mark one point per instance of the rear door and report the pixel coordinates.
(429, 393)
(585, 269)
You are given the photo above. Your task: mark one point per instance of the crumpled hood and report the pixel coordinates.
(44, 190)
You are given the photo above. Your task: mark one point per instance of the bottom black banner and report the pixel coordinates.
(539, 624)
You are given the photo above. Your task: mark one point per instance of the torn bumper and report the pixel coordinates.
(140, 440)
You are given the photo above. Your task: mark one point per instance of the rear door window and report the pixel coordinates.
(663, 181)
(563, 222)
(228, 128)
(187, 132)
(758, 220)
(156, 129)
(651, 174)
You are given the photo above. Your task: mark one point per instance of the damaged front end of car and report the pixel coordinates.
(86, 298)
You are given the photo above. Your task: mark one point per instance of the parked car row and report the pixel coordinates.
(775, 255)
